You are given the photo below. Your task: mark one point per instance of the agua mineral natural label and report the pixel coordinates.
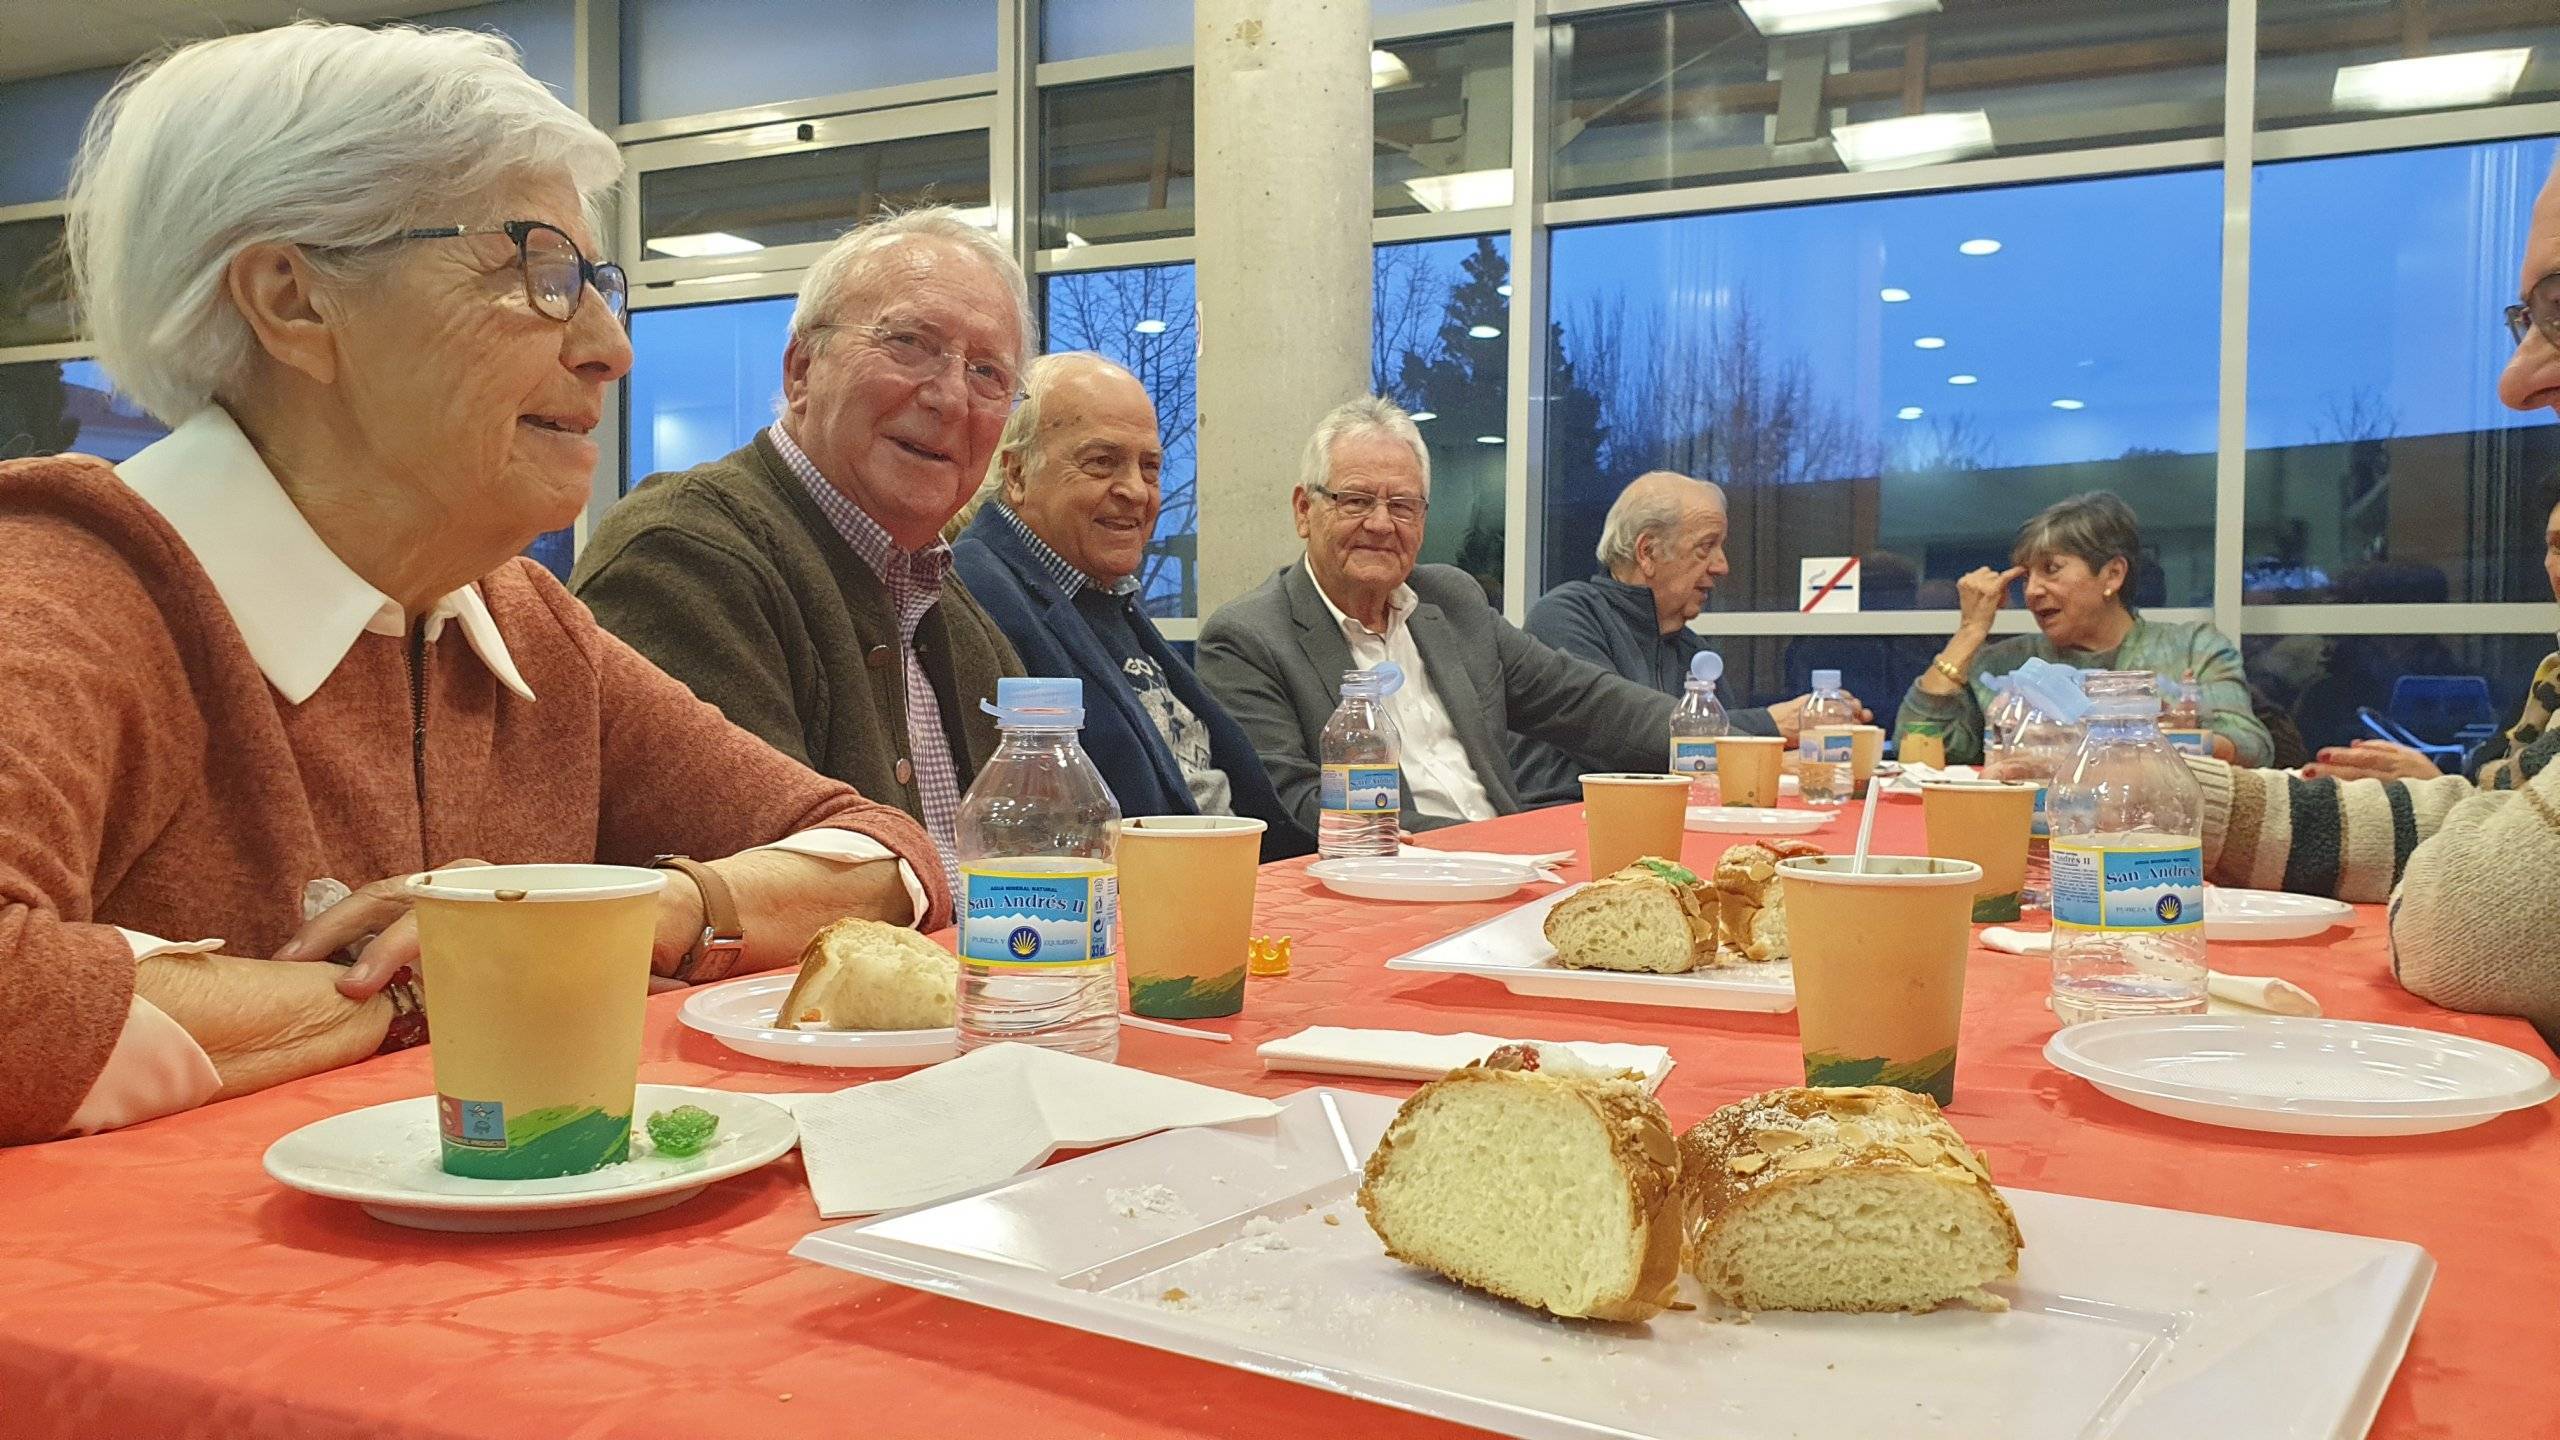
(1031, 913)
(2116, 883)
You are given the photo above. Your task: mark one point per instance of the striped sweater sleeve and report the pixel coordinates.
(2476, 925)
(2271, 830)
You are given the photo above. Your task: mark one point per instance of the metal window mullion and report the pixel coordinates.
(850, 102)
(2231, 434)
(1012, 151)
(2449, 620)
(1525, 357)
(2529, 121)
(1119, 254)
(595, 90)
(58, 350)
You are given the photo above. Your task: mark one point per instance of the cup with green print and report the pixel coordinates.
(536, 979)
(1879, 966)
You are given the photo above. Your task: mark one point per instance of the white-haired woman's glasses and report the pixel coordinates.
(557, 274)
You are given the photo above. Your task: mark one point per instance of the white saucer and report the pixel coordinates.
(1735, 820)
(384, 1159)
(739, 1014)
(1384, 877)
(2269, 914)
(2299, 1076)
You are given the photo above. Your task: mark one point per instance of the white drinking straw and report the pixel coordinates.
(1866, 831)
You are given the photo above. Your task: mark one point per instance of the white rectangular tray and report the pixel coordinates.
(2127, 1322)
(1512, 948)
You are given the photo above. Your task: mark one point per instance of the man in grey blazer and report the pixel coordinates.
(1275, 657)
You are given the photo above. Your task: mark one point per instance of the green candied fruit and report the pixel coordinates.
(682, 1131)
(1676, 874)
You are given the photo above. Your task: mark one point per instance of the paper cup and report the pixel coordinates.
(1866, 748)
(1988, 824)
(1628, 817)
(1879, 965)
(1186, 912)
(1929, 750)
(536, 977)
(1747, 767)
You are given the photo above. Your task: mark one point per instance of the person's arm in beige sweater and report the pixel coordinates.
(2476, 925)
(2350, 839)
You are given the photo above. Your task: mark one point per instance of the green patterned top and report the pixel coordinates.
(2168, 649)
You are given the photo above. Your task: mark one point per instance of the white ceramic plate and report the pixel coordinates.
(1403, 877)
(1512, 949)
(2300, 1076)
(2125, 1322)
(2269, 914)
(739, 1014)
(384, 1159)
(1735, 820)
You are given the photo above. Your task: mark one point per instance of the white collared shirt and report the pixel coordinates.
(1442, 780)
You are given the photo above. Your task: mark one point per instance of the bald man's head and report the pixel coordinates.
(1080, 463)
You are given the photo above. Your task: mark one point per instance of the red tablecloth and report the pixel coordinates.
(154, 1282)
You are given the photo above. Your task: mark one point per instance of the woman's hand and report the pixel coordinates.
(263, 1022)
(378, 917)
(1980, 595)
(2371, 760)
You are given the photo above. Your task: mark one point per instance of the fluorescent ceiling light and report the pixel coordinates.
(1894, 294)
(1908, 140)
(1387, 70)
(709, 242)
(1419, 416)
(2067, 405)
(731, 278)
(1979, 247)
(2475, 77)
(1908, 412)
(1149, 326)
(1929, 342)
(1485, 332)
(982, 216)
(1488, 439)
(1794, 17)
(1466, 190)
(1503, 289)
(1076, 241)
(1963, 379)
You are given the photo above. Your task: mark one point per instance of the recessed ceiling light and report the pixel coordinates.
(709, 242)
(2475, 77)
(1076, 241)
(1794, 17)
(1894, 294)
(1485, 332)
(1963, 379)
(1929, 342)
(1908, 412)
(1979, 247)
(1488, 439)
(2067, 404)
(982, 216)
(1908, 140)
(1149, 326)
(1420, 416)
(1503, 289)
(1387, 70)
(1466, 190)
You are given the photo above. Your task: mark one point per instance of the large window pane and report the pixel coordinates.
(2444, 689)
(1443, 123)
(685, 57)
(806, 195)
(35, 284)
(1148, 319)
(1439, 348)
(51, 406)
(2357, 59)
(2381, 465)
(1115, 160)
(1689, 94)
(1905, 379)
(1082, 29)
(704, 379)
(545, 33)
(43, 117)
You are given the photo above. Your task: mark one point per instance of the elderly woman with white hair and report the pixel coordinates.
(290, 643)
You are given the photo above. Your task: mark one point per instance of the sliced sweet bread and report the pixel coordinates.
(1654, 916)
(1859, 1198)
(866, 975)
(1751, 914)
(1557, 1191)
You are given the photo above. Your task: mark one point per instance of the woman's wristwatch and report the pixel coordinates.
(723, 941)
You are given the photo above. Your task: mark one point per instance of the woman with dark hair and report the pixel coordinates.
(2077, 556)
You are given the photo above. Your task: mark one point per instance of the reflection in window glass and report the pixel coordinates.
(1878, 669)
(1115, 160)
(51, 406)
(703, 381)
(1688, 94)
(2450, 690)
(1443, 123)
(2381, 465)
(2359, 59)
(1148, 319)
(35, 284)
(804, 196)
(1862, 384)
(42, 116)
(685, 57)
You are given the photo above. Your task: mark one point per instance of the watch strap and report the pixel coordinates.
(723, 940)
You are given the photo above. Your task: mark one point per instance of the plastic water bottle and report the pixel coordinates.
(2046, 710)
(2128, 865)
(1039, 882)
(1822, 771)
(1696, 725)
(1362, 789)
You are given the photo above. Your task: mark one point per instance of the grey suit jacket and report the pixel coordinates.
(1275, 657)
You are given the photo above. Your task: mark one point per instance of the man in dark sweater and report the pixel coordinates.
(1054, 553)
(1661, 551)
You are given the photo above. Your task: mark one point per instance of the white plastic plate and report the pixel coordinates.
(739, 1014)
(1737, 820)
(2301, 1076)
(384, 1158)
(1402, 877)
(2269, 914)
(1512, 948)
(1243, 1246)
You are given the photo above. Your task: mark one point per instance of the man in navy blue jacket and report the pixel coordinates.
(1053, 554)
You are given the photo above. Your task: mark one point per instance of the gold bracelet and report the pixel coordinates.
(1954, 676)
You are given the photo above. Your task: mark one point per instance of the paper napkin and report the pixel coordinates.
(1541, 864)
(1906, 785)
(1415, 1055)
(2224, 994)
(990, 1114)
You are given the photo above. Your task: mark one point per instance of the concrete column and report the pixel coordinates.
(1282, 137)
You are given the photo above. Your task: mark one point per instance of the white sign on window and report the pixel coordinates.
(1830, 585)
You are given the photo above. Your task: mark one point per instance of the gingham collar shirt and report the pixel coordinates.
(913, 579)
(1070, 579)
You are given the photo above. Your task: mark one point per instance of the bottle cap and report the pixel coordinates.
(1037, 702)
(1379, 683)
(1706, 665)
(1826, 679)
(2052, 689)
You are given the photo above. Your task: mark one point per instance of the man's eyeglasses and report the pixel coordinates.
(1359, 505)
(2540, 310)
(922, 358)
(557, 274)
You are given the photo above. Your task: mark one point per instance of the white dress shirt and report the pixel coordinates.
(1436, 770)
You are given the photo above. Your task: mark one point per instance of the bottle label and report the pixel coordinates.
(1692, 756)
(1031, 919)
(2152, 890)
(2039, 827)
(1829, 747)
(1363, 789)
